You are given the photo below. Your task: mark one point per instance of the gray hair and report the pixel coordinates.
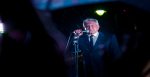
(90, 19)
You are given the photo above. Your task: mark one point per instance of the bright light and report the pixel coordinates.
(1, 27)
(100, 12)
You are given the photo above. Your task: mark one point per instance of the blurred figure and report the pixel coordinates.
(146, 70)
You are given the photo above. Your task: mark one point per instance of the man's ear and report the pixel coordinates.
(98, 27)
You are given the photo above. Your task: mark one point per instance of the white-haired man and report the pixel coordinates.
(96, 49)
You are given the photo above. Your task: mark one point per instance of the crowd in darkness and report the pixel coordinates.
(26, 47)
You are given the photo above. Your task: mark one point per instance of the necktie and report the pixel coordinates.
(91, 41)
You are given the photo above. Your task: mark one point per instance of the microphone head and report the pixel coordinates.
(85, 31)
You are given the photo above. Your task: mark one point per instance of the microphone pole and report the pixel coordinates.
(76, 51)
(76, 54)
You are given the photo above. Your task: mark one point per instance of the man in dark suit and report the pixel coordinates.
(95, 49)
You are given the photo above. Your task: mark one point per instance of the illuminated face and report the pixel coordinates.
(92, 26)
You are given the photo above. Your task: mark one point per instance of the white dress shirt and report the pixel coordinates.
(95, 36)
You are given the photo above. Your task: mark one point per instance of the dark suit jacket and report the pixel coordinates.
(92, 61)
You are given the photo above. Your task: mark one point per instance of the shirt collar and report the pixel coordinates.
(96, 34)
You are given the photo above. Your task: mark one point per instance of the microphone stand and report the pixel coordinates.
(76, 54)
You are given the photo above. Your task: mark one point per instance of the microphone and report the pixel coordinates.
(77, 35)
(85, 31)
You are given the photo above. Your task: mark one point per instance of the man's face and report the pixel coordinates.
(92, 26)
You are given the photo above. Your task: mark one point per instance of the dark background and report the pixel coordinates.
(41, 57)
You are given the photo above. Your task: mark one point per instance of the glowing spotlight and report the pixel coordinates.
(1, 27)
(100, 12)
